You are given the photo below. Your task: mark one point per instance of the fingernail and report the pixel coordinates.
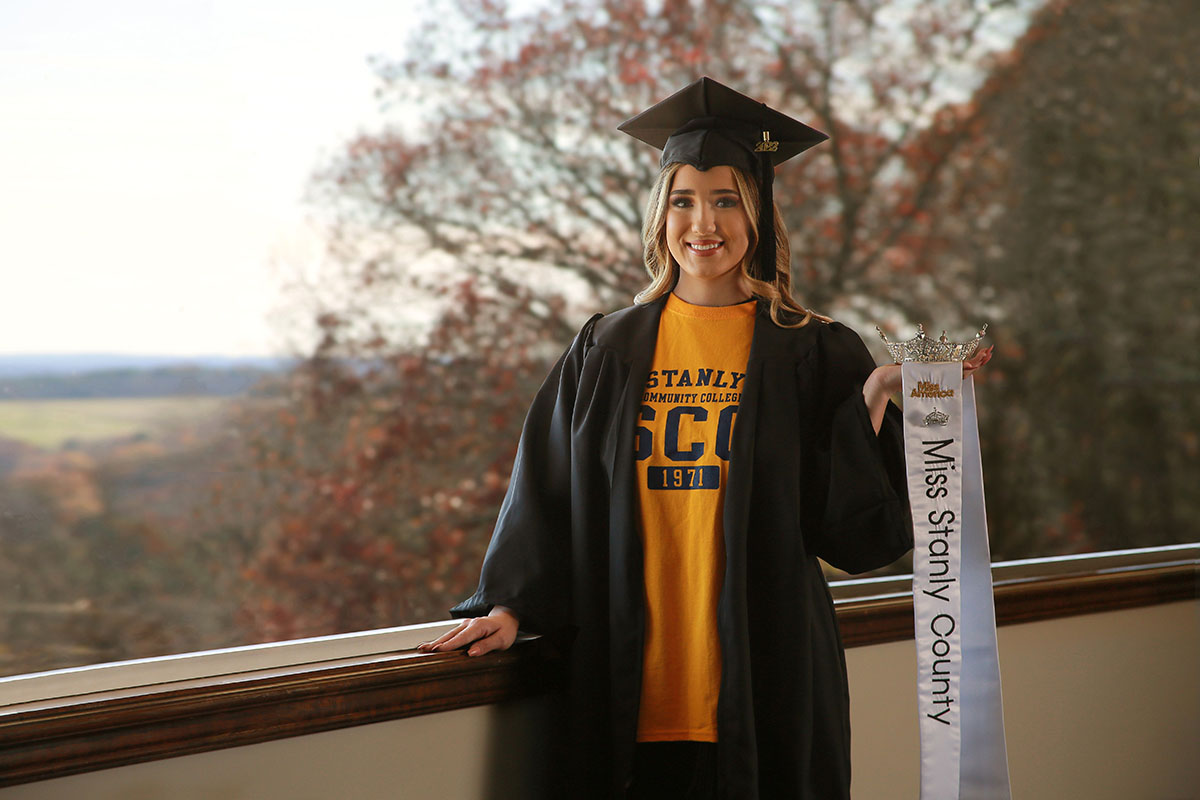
(474, 651)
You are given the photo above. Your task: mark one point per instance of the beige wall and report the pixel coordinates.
(444, 756)
(1099, 706)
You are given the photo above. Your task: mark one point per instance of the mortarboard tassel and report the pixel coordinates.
(765, 270)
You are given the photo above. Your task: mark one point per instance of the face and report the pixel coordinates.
(707, 233)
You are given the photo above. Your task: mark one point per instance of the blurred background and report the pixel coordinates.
(280, 279)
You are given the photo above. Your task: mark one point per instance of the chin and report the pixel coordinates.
(712, 272)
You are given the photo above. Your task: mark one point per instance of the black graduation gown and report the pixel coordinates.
(807, 477)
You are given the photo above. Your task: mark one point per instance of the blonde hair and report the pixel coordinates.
(664, 272)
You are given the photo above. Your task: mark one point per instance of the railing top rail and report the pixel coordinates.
(849, 589)
(372, 676)
(95, 678)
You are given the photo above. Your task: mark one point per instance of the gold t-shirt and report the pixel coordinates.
(685, 427)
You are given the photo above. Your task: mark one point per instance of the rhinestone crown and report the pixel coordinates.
(923, 348)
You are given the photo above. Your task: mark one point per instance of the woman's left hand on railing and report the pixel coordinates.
(496, 631)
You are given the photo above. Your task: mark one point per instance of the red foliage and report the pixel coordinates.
(387, 460)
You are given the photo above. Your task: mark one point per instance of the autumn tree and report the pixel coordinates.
(469, 238)
(367, 489)
(101, 561)
(514, 159)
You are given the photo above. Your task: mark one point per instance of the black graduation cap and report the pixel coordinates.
(706, 124)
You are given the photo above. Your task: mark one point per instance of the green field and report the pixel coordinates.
(50, 423)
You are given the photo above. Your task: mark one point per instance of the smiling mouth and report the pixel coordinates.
(704, 248)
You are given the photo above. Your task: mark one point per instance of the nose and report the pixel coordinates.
(703, 219)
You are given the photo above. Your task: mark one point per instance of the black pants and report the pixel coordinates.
(674, 771)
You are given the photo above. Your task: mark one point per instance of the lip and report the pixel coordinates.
(691, 247)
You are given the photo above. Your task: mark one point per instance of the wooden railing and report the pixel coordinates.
(41, 739)
(1032, 590)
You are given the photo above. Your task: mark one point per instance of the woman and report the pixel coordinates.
(703, 652)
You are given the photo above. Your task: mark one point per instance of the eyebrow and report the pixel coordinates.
(714, 191)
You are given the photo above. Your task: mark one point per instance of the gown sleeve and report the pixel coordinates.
(527, 560)
(866, 523)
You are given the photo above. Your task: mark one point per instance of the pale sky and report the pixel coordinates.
(153, 156)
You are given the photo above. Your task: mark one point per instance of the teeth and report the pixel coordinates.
(705, 246)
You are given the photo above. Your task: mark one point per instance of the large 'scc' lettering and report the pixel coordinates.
(644, 438)
(725, 431)
(644, 441)
(696, 449)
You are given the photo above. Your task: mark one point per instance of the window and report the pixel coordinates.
(312, 412)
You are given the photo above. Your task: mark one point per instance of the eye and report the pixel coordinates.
(727, 201)
(681, 202)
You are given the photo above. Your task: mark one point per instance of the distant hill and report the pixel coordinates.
(62, 377)
(27, 364)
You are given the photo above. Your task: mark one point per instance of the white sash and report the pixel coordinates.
(959, 705)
